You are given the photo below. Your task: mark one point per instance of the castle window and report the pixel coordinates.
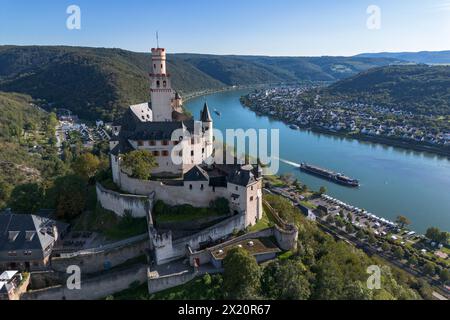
(140, 143)
(190, 187)
(155, 153)
(203, 150)
(176, 142)
(251, 188)
(192, 141)
(158, 84)
(154, 66)
(236, 188)
(152, 142)
(180, 153)
(192, 153)
(165, 143)
(165, 153)
(201, 187)
(251, 198)
(165, 83)
(214, 189)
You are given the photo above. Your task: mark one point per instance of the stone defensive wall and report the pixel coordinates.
(171, 192)
(166, 249)
(121, 204)
(286, 240)
(158, 283)
(103, 257)
(93, 288)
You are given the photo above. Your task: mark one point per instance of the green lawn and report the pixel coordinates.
(201, 288)
(266, 221)
(110, 225)
(308, 204)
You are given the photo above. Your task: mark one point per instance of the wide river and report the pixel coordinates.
(393, 181)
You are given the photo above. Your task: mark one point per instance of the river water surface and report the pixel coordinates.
(393, 181)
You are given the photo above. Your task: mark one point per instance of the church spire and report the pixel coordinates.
(205, 116)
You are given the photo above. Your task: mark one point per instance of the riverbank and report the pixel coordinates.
(445, 152)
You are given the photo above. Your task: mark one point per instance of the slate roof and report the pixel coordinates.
(19, 232)
(220, 175)
(205, 116)
(196, 174)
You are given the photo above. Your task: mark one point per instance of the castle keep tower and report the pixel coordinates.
(162, 95)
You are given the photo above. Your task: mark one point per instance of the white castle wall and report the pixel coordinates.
(166, 249)
(137, 206)
(174, 195)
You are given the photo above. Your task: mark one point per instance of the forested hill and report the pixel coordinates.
(420, 89)
(430, 57)
(99, 82)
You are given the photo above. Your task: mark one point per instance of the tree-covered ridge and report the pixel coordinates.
(100, 82)
(27, 152)
(420, 89)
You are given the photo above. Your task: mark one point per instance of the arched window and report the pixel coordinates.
(164, 83)
(158, 84)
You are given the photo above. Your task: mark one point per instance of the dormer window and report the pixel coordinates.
(12, 235)
(29, 235)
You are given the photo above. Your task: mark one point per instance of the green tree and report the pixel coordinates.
(26, 198)
(69, 196)
(329, 281)
(285, 281)
(437, 235)
(360, 234)
(444, 275)
(349, 229)
(322, 190)
(386, 246)
(5, 191)
(241, 277)
(403, 221)
(86, 165)
(371, 238)
(140, 163)
(429, 269)
(356, 291)
(413, 260)
(398, 252)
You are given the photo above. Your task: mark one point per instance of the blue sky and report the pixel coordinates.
(282, 27)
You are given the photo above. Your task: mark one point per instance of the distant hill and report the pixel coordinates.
(99, 82)
(428, 57)
(421, 89)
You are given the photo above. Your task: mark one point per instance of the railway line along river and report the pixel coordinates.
(393, 181)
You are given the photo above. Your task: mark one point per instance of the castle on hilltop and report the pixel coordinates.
(161, 127)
